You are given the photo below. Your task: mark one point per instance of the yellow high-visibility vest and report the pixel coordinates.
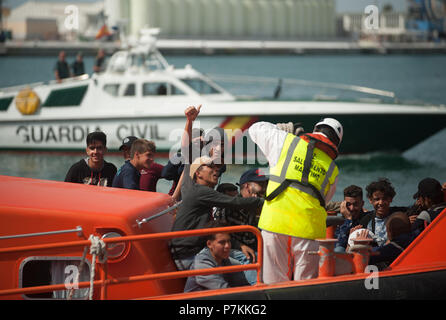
(298, 184)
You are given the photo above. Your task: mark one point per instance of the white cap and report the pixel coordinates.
(198, 162)
(334, 124)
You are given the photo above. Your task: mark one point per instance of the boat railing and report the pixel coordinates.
(280, 82)
(78, 230)
(331, 263)
(14, 89)
(105, 281)
(145, 220)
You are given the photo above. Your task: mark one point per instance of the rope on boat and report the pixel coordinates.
(98, 250)
(81, 267)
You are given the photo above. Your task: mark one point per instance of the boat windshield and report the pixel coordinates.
(201, 86)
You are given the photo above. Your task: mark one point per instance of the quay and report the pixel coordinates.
(228, 47)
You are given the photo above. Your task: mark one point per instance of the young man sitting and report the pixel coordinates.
(430, 199)
(141, 157)
(352, 209)
(199, 198)
(93, 170)
(215, 254)
(380, 194)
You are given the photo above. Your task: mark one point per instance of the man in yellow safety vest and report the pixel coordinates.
(303, 177)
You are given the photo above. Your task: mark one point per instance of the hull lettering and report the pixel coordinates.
(141, 131)
(53, 134)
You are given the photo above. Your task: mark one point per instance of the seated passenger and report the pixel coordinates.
(380, 194)
(430, 199)
(352, 209)
(399, 236)
(197, 184)
(252, 183)
(215, 254)
(149, 177)
(141, 157)
(93, 170)
(228, 189)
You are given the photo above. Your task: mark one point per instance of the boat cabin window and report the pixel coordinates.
(4, 103)
(160, 89)
(112, 89)
(71, 96)
(130, 90)
(201, 86)
(43, 271)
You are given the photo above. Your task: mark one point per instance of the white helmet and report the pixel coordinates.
(334, 124)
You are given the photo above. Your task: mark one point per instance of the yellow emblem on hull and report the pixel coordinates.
(27, 101)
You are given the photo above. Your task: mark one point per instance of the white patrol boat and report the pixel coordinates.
(140, 94)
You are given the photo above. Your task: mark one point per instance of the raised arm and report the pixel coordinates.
(191, 114)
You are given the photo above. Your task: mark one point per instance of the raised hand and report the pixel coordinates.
(191, 113)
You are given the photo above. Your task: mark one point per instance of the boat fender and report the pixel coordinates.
(27, 101)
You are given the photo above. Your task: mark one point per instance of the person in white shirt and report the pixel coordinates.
(303, 177)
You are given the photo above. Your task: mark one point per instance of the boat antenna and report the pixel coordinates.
(278, 89)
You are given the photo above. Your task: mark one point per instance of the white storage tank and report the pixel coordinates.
(224, 19)
(331, 14)
(252, 19)
(279, 18)
(165, 17)
(152, 19)
(238, 14)
(112, 9)
(210, 13)
(266, 18)
(304, 18)
(291, 17)
(194, 18)
(139, 10)
(315, 19)
(179, 16)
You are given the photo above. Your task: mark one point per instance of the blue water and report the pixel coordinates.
(413, 78)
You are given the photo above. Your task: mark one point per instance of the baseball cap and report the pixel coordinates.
(428, 187)
(127, 142)
(198, 163)
(255, 175)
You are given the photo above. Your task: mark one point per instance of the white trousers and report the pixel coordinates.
(288, 258)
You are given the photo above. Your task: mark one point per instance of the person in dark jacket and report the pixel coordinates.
(78, 65)
(94, 169)
(380, 194)
(141, 157)
(198, 199)
(430, 199)
(216, 253)
(61, 69)
(252, 183)
(399, 236)
(352, 209)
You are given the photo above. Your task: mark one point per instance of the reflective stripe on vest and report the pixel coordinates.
(302, 185)
(293, 207)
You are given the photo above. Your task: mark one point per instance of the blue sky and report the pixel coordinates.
(341, 5)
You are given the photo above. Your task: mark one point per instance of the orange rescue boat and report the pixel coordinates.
(70, 241)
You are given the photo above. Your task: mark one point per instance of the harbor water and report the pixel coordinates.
(413, 79)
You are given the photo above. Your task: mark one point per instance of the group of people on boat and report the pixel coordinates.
(289, 204)
(63, 71)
